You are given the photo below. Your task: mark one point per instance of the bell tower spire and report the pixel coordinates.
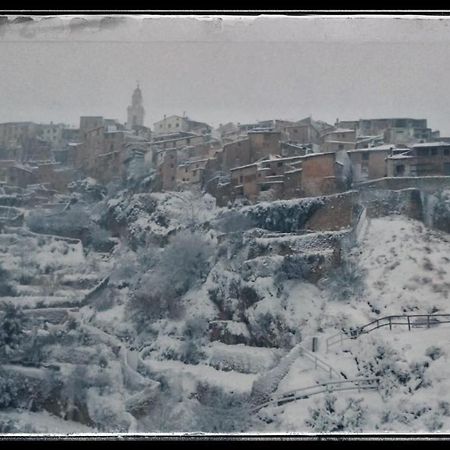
(135, 112)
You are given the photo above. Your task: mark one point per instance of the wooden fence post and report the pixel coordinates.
(409, 324)
(428, 321)
(390, 323)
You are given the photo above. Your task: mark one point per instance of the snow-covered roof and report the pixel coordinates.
(340, 142)
(294, 171)
(310, 155)
(431, 144)
(384, 147)
(400, 156)
(266, 181)
(340, 130)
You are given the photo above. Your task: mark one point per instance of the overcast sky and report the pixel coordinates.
(227, 69)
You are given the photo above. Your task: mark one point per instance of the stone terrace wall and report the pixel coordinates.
(426, 184)
(381, 203)
(326, 213)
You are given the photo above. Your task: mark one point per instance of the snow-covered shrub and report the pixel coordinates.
(71, 223)
(233, 221)
(6, 285)
(377, 358)
(441, 211)
(107, 411)
(218, 411)
(270, 329)
(185, 262)
(99, 238)
(329, 417)
(195, 328)
(346, 282)
(11, 426)
(188, 260)
(224, 292)
(8, 391)
(434, 352)
(194, 332)
(12, 329)
(75, 222)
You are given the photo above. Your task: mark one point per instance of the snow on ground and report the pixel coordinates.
(407, 266)
(230, 381)
(406, 270)
(423, 410)
(241, 357)
(43, 422)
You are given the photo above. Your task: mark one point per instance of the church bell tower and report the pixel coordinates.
(135, 112)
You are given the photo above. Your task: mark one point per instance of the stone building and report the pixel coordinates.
(13, 134)
(167, 169)
(191, 172)
(320, 174)
(173, 124)
(396, 131)
(424, 159)
(258, 145)
(338, 139)
(369, 163)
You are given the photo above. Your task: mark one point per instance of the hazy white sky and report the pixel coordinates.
(227, 69)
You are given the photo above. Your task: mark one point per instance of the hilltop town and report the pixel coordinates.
(277, 276)
(270, 160)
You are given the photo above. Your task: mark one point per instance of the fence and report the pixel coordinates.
(410, 320)
(329, 386)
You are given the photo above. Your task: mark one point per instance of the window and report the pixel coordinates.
(241, 179)
(365, 156)
(447, 151)
(194, 172)
(188, 141)
(279, 164)
(399, 170)
(434, 151)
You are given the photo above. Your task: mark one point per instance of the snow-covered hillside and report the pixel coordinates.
(198, 315)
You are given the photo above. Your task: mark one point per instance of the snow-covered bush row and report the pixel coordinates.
(75, 222)
(284, 216)
(441, 212)
(338, 416)
(241, 358)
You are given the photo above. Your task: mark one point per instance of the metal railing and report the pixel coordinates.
(320, 364)
(409, 320)
(329, 386)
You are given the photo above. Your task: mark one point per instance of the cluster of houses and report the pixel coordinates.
(273, 159)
